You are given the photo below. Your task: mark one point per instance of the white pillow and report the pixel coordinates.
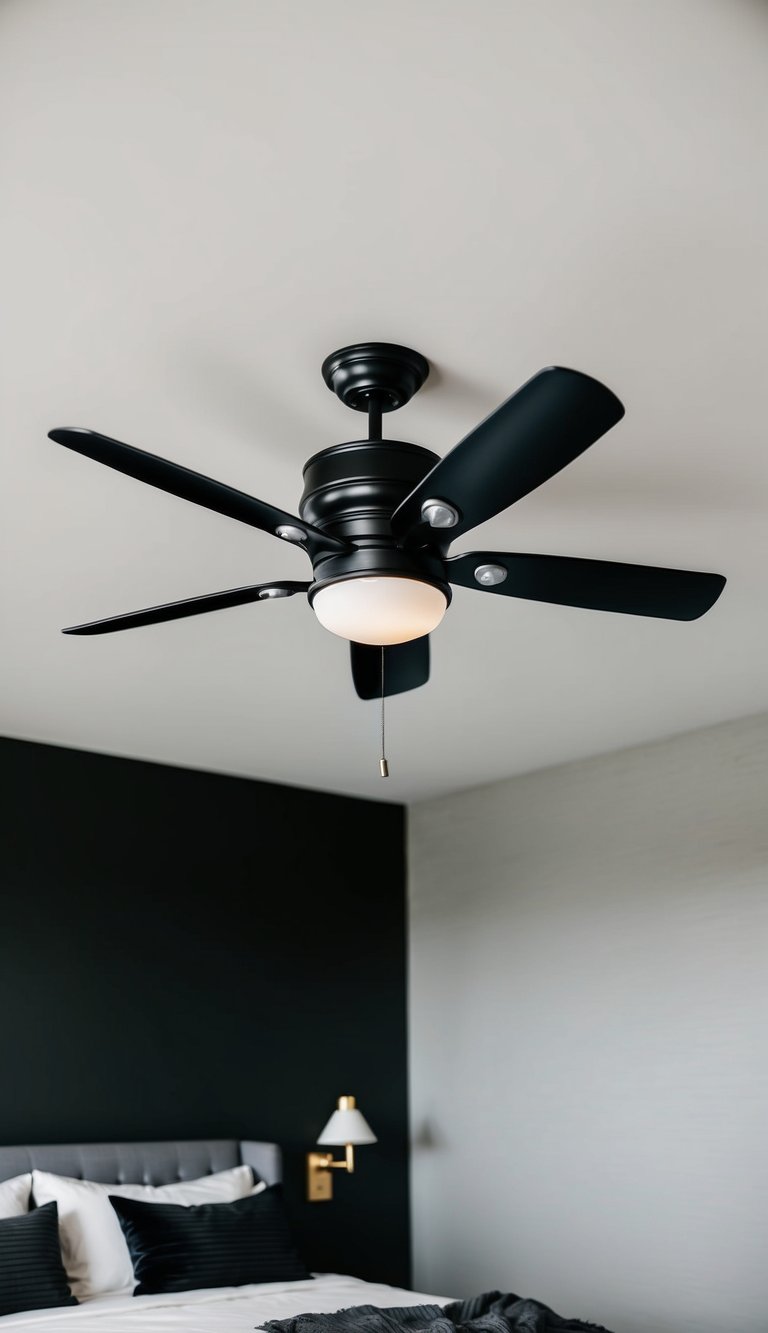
(14, 1195)
(93, 1248)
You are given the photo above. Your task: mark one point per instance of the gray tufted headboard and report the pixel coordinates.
(143, 1163)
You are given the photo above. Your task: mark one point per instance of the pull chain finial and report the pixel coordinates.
(383, 765)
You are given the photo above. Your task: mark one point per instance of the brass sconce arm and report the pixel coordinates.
(347, 1162)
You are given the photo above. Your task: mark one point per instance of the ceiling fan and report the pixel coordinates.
(377, 518)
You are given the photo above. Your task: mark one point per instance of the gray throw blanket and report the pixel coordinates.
(493, 1312)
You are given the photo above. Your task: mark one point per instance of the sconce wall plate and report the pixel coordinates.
(319, 1178)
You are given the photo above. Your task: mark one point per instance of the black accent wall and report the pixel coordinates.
(189, 955)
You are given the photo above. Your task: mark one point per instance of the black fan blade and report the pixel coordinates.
(191, 606)
(178, 480)
(541, 428)
(600, 585)
(406, 666)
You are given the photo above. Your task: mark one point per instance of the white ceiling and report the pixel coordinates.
(202, 199)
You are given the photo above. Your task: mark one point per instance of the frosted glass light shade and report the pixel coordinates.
(380, 610)
(347, 1127)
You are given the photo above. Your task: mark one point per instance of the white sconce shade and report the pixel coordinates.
(380, 611)
(347, 1125)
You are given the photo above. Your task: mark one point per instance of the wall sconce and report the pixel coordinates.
(348, 1129)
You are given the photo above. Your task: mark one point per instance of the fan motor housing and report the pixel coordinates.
(382, 562)
(352, 490)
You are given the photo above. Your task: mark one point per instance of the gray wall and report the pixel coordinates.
(588, 995)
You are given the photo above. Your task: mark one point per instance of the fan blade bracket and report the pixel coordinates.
(432, 528)
(276, 590)
(290, 532)
(490, 575)
(439, 513)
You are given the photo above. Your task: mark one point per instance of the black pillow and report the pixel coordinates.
(179, 1248)
(32, 1275)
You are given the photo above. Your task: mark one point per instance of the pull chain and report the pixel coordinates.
(383, 765)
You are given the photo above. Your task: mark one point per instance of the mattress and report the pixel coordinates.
(219, 1310)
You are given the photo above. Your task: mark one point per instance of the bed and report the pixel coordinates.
(219, 1310)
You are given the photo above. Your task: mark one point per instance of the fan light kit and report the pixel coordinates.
(380, 611)
(377, 517)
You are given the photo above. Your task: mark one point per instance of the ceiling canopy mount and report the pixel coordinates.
(385, 372)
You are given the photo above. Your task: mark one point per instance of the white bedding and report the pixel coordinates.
(219, 1310)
